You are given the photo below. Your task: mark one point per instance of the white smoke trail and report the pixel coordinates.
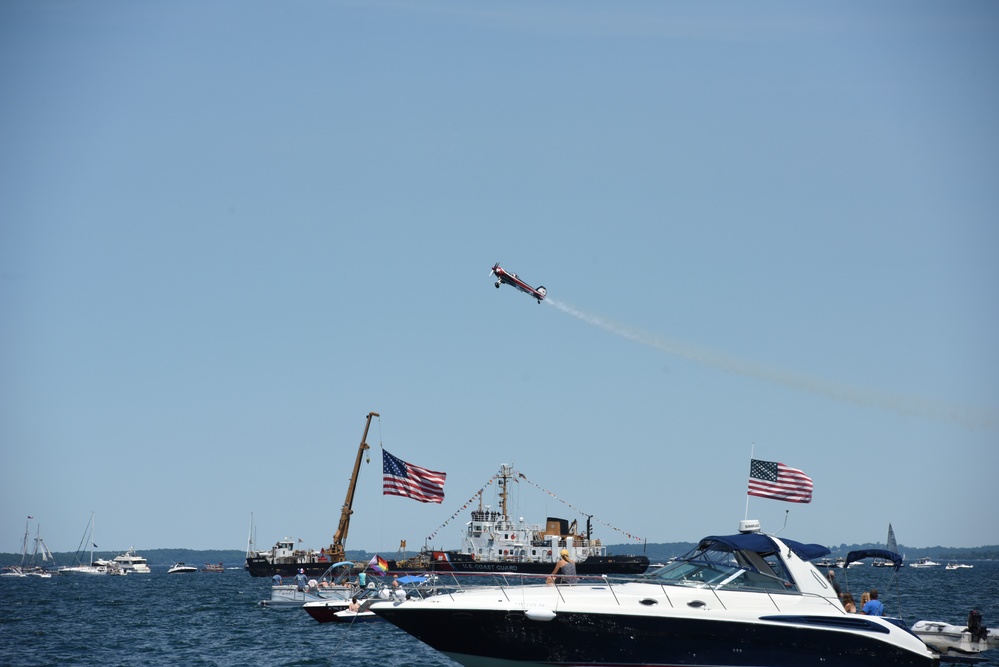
(906, 405)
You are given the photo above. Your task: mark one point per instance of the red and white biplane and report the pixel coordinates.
(504, 276)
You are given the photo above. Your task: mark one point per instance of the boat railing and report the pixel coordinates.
(454, 583)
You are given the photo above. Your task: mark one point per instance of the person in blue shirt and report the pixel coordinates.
(873, 607)
(301, 580)
(276, 580)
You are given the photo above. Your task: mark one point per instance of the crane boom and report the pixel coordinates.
(337, 552)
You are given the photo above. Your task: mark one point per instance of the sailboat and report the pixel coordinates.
(94, 567)
(890, 545)
(18, 570)
(36, 569)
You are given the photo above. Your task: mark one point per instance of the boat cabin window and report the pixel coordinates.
(727, 570)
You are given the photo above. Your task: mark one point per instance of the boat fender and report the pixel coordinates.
(540, 614)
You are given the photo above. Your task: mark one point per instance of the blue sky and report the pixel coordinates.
(229, 230)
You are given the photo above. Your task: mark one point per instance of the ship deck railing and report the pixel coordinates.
(451, 583)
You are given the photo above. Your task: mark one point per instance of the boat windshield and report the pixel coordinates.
(726, 569)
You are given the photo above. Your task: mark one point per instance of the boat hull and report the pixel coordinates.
(498, 638)
(954, 640)
(325, 611)
(462, 562)
(288, 596)
(262, 567)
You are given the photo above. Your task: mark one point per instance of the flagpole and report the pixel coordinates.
(752, 453)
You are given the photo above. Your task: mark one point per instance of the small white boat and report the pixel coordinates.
(959, 566)
(288, 595)
(181, 568)
(925, 561)
(957, 640)
(329, 587)
(348, 616)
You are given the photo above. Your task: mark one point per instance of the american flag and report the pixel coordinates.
(405, 479)
(768, 479)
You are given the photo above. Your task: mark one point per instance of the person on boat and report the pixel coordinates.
(301, 580)
(874, 607)
(831, 576)
(848, 604)
(566, 567)
(277, 580)
(354, 605)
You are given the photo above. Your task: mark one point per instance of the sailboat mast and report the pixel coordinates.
(249, 537)
(24, 545)
(38, 536)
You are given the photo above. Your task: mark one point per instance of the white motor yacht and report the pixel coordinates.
(132, 562)
(739, 600)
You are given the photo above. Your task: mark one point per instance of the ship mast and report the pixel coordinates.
(506, 472)
(337, 552)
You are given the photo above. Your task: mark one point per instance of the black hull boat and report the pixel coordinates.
(453, 561)
(740, 600)
(285, 560)
(600, 639)
(493, 543)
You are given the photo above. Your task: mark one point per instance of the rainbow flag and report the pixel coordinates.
(379, 565)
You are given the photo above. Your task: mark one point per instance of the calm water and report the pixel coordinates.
(214, 619)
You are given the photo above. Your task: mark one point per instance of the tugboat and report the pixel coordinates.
(492, 542)
(284, 559)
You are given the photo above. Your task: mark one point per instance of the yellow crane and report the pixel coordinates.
(337, 552)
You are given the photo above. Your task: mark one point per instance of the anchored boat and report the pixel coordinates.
(737, 600)
(284, 559)
(494, 543)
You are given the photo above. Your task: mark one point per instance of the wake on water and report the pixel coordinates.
(905, 405)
